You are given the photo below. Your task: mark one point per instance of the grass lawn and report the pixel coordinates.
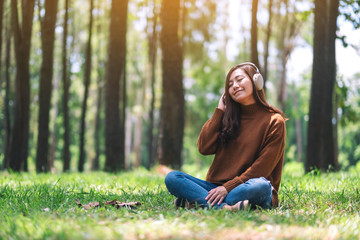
(42, 206)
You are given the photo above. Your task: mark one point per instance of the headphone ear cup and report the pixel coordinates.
(258, 81)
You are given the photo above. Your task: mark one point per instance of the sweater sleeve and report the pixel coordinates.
(271, 152)
(208, 137)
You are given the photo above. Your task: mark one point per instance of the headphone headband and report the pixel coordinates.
(251, 64)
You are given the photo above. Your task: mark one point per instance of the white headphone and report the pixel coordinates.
(258, 78)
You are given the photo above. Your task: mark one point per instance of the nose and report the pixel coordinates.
(236, 84)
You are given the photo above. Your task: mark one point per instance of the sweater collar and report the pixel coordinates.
(248, 110)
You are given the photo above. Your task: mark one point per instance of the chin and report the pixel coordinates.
(237, 99)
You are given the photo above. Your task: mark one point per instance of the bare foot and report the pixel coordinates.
(239, 206)
(163, 169)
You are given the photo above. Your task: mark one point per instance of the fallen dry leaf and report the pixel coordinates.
(114, 203)
(89, 205)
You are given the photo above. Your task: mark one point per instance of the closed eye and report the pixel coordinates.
(237, 80)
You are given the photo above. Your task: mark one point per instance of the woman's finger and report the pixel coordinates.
(221, 200)
(209, 195)
(217, 199)
(213, 197)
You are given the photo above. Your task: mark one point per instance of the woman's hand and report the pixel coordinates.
(216, 195)
(221, 104)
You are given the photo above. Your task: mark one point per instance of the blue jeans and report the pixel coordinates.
(184, 186)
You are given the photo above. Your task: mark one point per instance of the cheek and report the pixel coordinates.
(249, 86)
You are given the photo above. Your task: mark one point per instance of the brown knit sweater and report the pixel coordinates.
(258, 151)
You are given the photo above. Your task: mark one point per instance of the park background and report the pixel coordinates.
(99, 98)
(101, 85)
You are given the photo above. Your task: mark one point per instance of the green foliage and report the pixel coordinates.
(206, 35)
(199, 27)
(203, 89)
(42, 206)
(204, 75)
(348, 100)
(350, 10)
(297, 112)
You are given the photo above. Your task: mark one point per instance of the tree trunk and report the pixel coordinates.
(22, 37)
(7, 125)
(267, 41)
(288, 32)
(100, 86)
(254, 35)
(128, 138)
(137, 138)
(138, 130)
(298, 127)
(46, 75)
(1, 57)
(284, 54)
(245, 52)
(172, 102)
(336, 117)
(1, 37)
(65, 100)
(95, 163)
(281, 98)
(115, 82)
(333, 14)
(86, 91)
(152, 38)
(320, 148)
(53, 132)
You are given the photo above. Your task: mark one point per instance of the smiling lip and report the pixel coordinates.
(237, 91)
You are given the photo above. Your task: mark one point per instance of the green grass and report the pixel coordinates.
(42, 206)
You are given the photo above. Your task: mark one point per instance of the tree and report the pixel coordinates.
(65, 99)
(152, 39)
(115, 88)
(7, 126)
(99, 123)
(332, 28)
(1, 37)
(172, 110)
(320, 144)
(95, 163)
(203, 92)
(297, 116)
(288, 31)
(267, 41)
(46, 76)
(22, 42)
(54, 114)
(86, 90)
(254, 35)
(138, 128)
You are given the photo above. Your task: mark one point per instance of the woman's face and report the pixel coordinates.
(241, 87)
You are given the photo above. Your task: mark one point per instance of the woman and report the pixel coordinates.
(247, 136)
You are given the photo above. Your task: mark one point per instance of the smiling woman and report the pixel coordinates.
(247, 136)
